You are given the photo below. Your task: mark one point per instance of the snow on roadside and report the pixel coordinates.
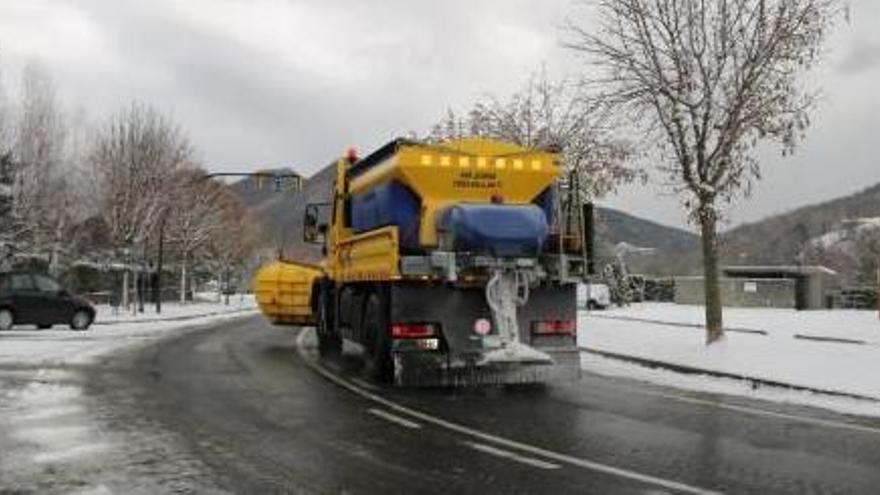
(59, 345)
(839, 323)
(846, 368)
(727, 386)
(51, 440)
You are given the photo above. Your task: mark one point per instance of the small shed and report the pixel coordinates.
(779, 286)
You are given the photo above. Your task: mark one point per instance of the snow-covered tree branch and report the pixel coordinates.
(134, 159)
(706, 81)
(553, 115)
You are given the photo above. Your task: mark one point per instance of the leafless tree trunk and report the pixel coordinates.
(706, 81)
(135, 291)
(183, 275)
(708, 233)
(124, 302)
(196, 216)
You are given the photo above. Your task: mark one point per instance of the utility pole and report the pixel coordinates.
(6, 240)
(589, 241)
(159, 257)
(226, 286)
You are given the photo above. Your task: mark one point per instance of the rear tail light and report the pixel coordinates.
(482, 326)
(413, 330)
(554, 327)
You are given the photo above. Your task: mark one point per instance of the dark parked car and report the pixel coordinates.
(36, 299)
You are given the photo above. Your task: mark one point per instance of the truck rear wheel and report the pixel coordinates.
(329, 340)
(375, 321)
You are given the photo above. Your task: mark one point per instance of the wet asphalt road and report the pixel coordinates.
(256, 410)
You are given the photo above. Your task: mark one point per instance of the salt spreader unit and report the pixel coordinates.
(446, 262)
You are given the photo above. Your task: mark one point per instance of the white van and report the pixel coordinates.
(593, 296)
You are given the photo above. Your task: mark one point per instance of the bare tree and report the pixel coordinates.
(708, 80)
(237, 239)
(554, 115)
(6, 220)
(44, 204)
(195, 217)
(7, 173)
(868, 256)
(133, 159)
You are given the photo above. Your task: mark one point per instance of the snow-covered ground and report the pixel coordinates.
(778, 356)
(111, 330)
(52, 436)
(843, 323)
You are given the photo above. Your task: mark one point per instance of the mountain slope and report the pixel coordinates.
(781, 238)
(282, 212)
(617, 226)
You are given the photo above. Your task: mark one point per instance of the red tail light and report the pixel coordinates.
(554, 327)
(413, 330)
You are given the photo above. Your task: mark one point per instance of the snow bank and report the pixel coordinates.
(727, 386)
(777, 356)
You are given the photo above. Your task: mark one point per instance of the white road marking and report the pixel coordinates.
(506, 454)
(487, 437)
(368, 386)
(75, 453)
(394, 419)
(49, 413)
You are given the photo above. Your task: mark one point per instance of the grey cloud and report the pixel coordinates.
(426, 59)
(396, 66)
(862, 56)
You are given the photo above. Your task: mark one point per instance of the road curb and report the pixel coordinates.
(836, 340)
(755, 382)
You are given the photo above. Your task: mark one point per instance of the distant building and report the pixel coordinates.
(797, 287)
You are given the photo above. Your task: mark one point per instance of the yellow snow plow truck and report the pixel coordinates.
(447, 262)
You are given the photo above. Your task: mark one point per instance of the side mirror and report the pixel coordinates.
(310, 226)
(315, 223)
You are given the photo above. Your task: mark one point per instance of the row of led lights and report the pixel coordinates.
(481, 162)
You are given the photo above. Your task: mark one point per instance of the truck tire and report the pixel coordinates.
(329, 340)
(375, 321)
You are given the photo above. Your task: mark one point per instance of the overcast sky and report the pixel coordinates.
(269, 83)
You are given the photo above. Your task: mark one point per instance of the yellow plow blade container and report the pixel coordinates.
(283, 291)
